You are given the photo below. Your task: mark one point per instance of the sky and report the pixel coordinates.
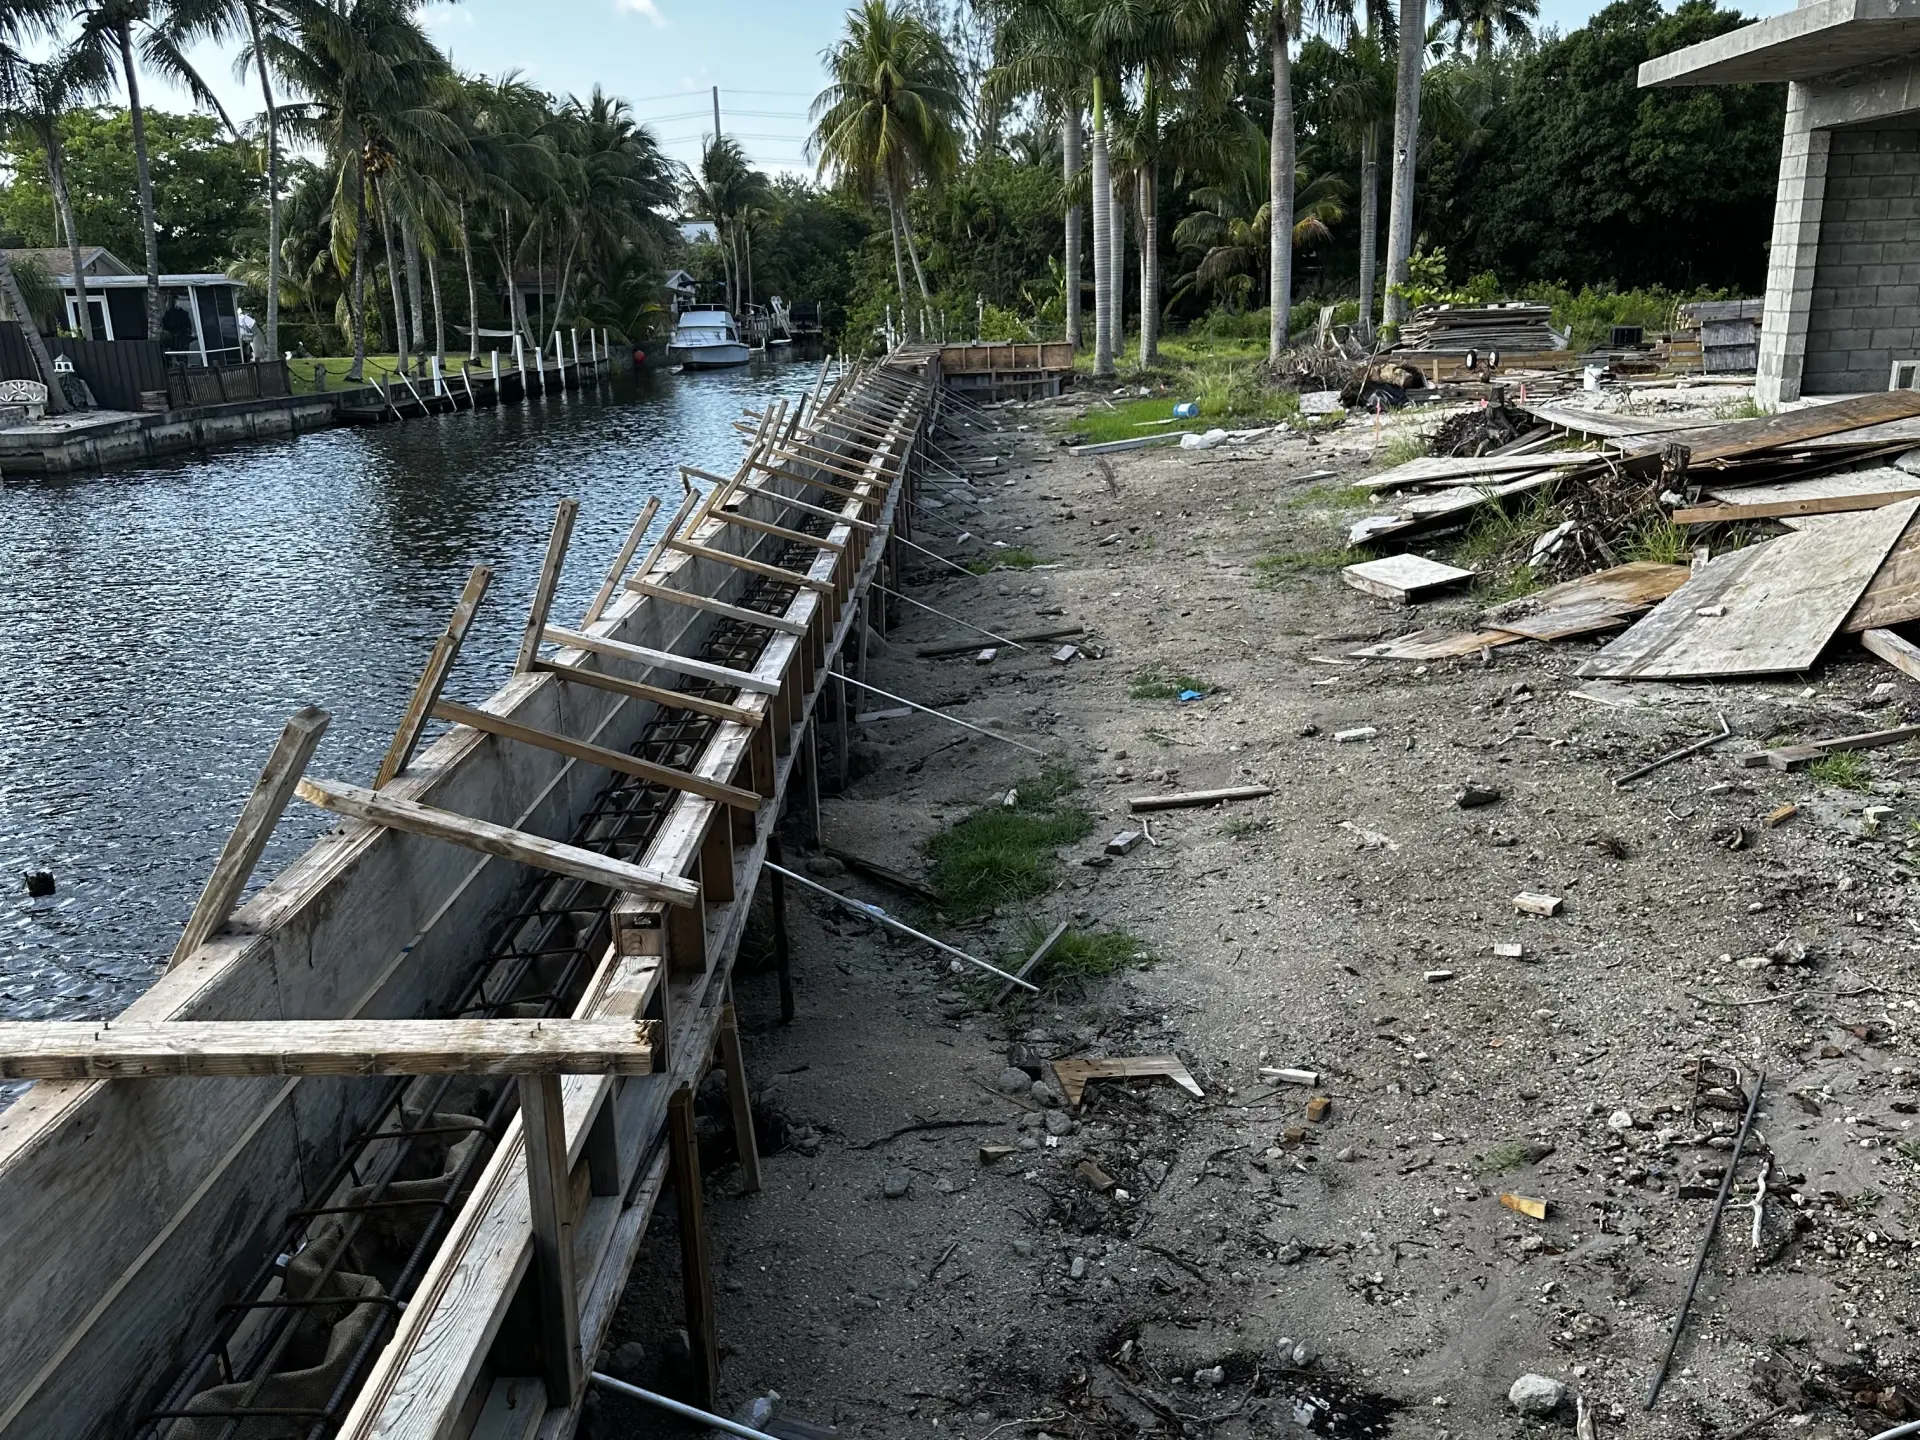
(663, 56)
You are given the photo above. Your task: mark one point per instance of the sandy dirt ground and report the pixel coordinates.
(1253, 1271)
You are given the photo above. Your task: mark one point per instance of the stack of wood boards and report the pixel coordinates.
(1514, 326)
(1728, 332)
(1602, 601)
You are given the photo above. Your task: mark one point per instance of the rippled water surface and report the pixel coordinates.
(158, 626)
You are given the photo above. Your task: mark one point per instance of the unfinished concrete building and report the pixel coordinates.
(1843, 271)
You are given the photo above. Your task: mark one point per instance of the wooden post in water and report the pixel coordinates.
(576, 347)
(496, 377)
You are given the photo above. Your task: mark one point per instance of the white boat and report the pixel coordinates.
(706, 340)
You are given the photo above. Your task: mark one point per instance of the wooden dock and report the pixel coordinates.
(401, 396)
(260, 1226)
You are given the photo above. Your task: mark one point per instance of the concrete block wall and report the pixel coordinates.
(1865, 301)
(1798, 203)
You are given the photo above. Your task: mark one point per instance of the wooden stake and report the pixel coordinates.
(258, 816)
(752, 567)
(779, 532)
(439, 665)
(782, 946)
(661, 591)
(500, 840)
(563, 518)
(543, 1125)
(600, 755)
(733, 1062)
(696, 1274)
(662, 659)
(621, 561)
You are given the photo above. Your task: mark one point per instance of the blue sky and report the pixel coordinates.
(664, 55)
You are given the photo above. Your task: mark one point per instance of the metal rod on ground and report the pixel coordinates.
(874, 912)
(1706, 1242)
(688, 1412)
(950, 564)
(950, 719)
(945, 616)
(1681, 754)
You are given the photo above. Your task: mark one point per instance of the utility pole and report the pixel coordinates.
(716, 114)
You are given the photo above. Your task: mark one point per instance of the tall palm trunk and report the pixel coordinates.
(273, 183)
(357, 302)
(1369, 221)
(1281, 165)
(1406, 144)
(143, 171)
(1149, 266)
(439, 314)
(1102, 245)
(393, 280)
(899, 258)
(913, 253)
(410, 239)
(1117, 221)
(473, 288)
(1070, 151)
(63, 199)
(36, 343)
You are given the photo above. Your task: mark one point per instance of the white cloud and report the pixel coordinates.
(648, 8)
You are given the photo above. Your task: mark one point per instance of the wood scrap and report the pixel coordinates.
(1075, 1075)
(1896, 650)
(1403, 577)
(1783, 600)
(1798, 757)
(1437, 644)
(1189, 799)
(1893, 595)
(1725, 514)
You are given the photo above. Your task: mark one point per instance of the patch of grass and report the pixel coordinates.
(1278, 568)
(1845, 770)
(1155, 684)
(1328, 495)
(1499, 1159)
(1661, 541)
(1240, 827)
(1744, 409)
(1409, 445)
(1126, 419)
(1497, 587)
(1499, 534)
(997, 854)
(1090, 954)
(1017, 557)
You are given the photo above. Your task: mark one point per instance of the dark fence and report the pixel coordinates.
(137, 375)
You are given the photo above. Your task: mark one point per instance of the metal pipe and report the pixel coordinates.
(1681, 754)
(874, 912)
(950, 719)
(686, 1412)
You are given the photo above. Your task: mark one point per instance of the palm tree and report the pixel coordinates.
(1359, 103)
(46, 91)
(1229, 236)
(249, 20)
(509, 167)
(375, 92)
(23, 22)
(109, 28)
(892, 112)
(724, 190)
(1406, 145)
(1476, 22)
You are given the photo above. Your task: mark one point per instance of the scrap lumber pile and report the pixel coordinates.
(1515, 325)
(1806, 527)
(1724, 333)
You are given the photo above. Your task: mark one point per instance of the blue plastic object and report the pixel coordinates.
(1186, 410)
(1193, 695)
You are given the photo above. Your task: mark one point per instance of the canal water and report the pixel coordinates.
(159, 625)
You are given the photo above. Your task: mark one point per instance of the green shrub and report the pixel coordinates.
(998, 854)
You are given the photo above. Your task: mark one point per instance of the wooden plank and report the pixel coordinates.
(640, 690)
(659, 659)
(1437, 644)
(1188, 799)
(695, 1270)
(1896, 650)
(262, 811)
(782, 473)
(1798, 757)
(1419, 512)
(1611, 427)
(1563, 622)
(1893, 595)
(779, 532)
(752, 567)
(434, 678)
(563, 517)
(1402, 577)
(624, 558)
(739, 1099)
(1768, 608)
(1441, 469)
(543, 1124)
(1720, 514)
(615, 760)
(660, 590)
(1074, 1074)
(1639, 583)
(1808, 487)
(1040, 952)
(1739, 438)
(499, 840)
(97, 1050)
(773, 497)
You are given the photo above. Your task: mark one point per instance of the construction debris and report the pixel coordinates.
(1404, 578)
(1075, 1075)
(1516, 325)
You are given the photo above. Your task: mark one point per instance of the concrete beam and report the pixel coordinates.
(1808, 43)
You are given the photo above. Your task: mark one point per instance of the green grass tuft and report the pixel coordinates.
(1411, 445)
(1154, 684)
(1240, 827)
(1328, 495)
(1661, 541)
(1089, 954)
(1017, 557)
(997, 854)
(1499, 1159)
(1846, 770)
(1281, 566)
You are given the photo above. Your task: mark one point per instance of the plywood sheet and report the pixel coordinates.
(1418, 512)
(1598, 422)
(1437, 644)
(1639, 582)
(1436, 469)
(1563, 622)
(1780, 604)
(1875, 481)
(1402, 577)
(1893, 595)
